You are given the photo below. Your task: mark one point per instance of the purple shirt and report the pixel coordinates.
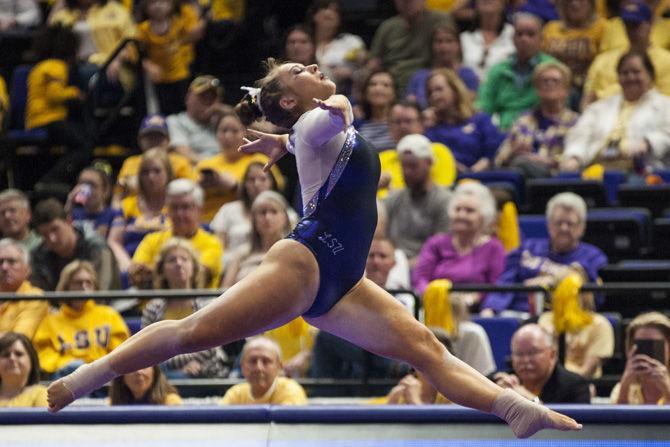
(533, 258)
(476, 138)
(439, 260)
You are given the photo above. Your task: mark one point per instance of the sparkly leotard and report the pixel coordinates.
(340, 217)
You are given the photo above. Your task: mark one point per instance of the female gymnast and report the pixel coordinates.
(317, 271)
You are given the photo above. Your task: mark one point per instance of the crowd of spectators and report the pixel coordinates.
(438, 93)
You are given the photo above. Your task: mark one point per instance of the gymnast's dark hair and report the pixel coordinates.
(272, 90)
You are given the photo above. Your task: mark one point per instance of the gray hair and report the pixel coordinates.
(271, 196)
(183, 186)
(482, 194)
(15, 194)
(9, 242)
(261, 341)
(568, 201)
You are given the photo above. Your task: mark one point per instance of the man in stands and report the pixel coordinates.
(537, 374)
(261, 365)
(184, 203)
(15, 218)
(62, 243)
(18, 316)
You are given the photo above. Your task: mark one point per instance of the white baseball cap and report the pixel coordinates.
(417, 145)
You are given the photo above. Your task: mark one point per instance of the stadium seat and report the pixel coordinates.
(21, 142)
(620, 232)
(631, 303)
(500, 331)
(656, 198)
(533, 226)
(612, 180)
(539, 191)
(496, 177)
(660, 237)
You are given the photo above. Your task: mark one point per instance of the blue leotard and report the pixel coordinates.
(340, 221)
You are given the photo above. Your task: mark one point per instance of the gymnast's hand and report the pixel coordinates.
(273, 146)
(58, 396)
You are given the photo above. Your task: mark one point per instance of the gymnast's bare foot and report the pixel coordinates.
(58, 396)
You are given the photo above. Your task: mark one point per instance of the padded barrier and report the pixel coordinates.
(317, 414)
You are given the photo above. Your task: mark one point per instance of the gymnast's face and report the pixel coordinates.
(303, 84)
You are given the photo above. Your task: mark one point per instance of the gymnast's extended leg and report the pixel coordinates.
(280, 289)
(371, 318)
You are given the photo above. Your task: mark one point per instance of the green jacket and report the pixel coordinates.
(506, 94)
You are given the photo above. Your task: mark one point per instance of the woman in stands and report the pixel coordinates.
(628, 131)
(470, 135)
(375, 107)
(177, 267)
(317, 271)
(146, 386)
(467, 253)
(645, 379)
(20, 373)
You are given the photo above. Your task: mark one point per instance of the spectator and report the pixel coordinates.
(534, 144)
(378, 98)
(15, 218)
(602, 78)
(62, 244)
(100, 25)
(232, 223)
(471, 136)
(380, 263)
(615, 30)
(177, 267)
(20, 373)
(507, 90)
(168, 34)
(81, 331)
(221, 174)
(88, 202)
(398, 277)
(537, 375)
(401, 44)
(446, 53)
(645, 379)
(153, 134)
(575, 38)
(467, 253)
(299, 45)
(49, 96)
(542, 262)
(193, 132)
(18, 316)
(261, 365)
(18, 14)
(147, 386)
(587, 348)
(184, 203)
(629, 131)
(270, 223)
(419, 210)
(405, 119)
(144, 212)
(339, 54)
(491, 42)
(414, 389)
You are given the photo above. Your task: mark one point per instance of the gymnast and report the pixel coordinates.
(317, 271)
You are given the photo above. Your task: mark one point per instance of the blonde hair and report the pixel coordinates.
(464, 107)
(69, 271)
(154, 154)
(543, 67)
(654, 320)
(160, 280)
